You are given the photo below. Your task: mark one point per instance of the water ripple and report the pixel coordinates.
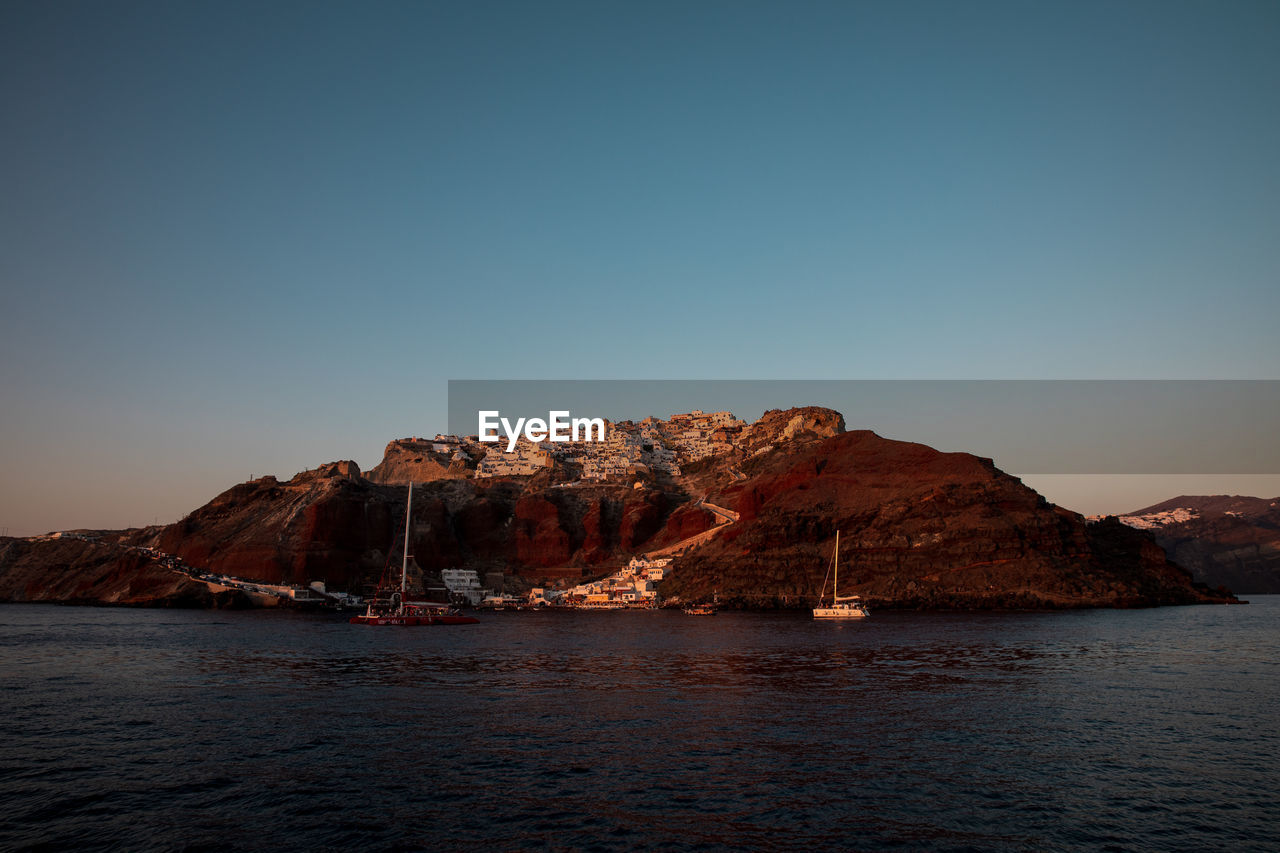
(1126, 730)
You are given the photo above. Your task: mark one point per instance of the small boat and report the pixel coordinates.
(413, 613)
(501, 602)
(842, 606)
(392, 606)
(703, 609)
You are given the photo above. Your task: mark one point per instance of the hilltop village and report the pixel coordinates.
(652, 446)
(632, 451)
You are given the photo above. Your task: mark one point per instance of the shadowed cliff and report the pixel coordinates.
(919, 528)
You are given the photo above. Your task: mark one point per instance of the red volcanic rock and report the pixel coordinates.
(596, 533)
(75, 571)
(322, 525)
(919, 528)
(540, 539)
(409, 459)
(433, 541)
(342, 530)
(481, 525)
(641, 520)
(685, 522)
(779, 427)
(326, 525)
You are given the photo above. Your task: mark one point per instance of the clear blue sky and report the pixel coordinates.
(246, 238)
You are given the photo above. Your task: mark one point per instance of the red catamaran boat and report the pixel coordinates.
(393, 606)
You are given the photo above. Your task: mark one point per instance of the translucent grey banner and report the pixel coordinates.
(1026, 426)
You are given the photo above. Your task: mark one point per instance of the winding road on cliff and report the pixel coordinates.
(724, 517)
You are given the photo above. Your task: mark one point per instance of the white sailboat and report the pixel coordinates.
(842, 606)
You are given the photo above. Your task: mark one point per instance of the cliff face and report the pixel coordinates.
(318, 526)
(778, 427)
(414, 460)
(919, 528)
(1224, 540)
(326, 525)
(74, 571)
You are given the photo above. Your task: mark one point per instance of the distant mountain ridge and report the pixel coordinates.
(1227, 540)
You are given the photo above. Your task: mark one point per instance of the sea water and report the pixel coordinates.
(166, 730)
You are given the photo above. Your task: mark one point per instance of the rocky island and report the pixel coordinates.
(749, 511)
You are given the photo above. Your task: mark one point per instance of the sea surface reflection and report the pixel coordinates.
(138, 730)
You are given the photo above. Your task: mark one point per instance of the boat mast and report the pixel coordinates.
(408, 509)
(835, 582)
